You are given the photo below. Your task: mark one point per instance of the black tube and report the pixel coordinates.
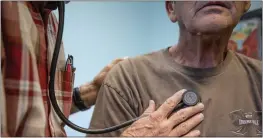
(52, 96)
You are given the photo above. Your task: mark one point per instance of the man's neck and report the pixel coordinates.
(200, 51)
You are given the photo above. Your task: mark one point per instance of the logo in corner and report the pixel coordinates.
(246, 122)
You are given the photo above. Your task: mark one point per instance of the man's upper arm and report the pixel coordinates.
(111, 109)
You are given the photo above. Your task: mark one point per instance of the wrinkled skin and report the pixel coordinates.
(204, 34)
(210, 19)
(204, 30)
(161, 122)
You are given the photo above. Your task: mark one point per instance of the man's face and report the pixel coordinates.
(206, 16)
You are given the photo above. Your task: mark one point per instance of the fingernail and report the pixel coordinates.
(151, 102)
(197, 132)
(201, 105)
(201, 116)
(125, 57)
(182, 91)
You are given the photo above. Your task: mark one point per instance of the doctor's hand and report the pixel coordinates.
(88, 91)
(162, 123)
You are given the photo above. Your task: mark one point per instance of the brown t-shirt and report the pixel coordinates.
(231, 92)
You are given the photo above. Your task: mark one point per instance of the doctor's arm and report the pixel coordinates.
(88, 91)
(2, 93)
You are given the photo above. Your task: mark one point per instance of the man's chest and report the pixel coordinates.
(230, 112)
(231, 104)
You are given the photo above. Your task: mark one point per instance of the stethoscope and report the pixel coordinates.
(190, 98)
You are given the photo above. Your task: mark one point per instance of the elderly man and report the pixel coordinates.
(228, 83)
(27, 42)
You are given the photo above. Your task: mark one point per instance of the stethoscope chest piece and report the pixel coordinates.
(190, 98)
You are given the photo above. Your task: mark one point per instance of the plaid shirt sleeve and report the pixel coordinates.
(27, 44)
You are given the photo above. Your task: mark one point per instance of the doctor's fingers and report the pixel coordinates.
(168, 106)
(118, 60)
(97, 81)
(113, 63)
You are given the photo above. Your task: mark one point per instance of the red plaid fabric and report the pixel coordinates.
(27, 44)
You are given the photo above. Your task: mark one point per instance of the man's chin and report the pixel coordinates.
(213, 27)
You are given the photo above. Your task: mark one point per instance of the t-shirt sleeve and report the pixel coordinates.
(111, 108)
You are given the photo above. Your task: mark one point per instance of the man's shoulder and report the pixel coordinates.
(129, 68)
(249, 62)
